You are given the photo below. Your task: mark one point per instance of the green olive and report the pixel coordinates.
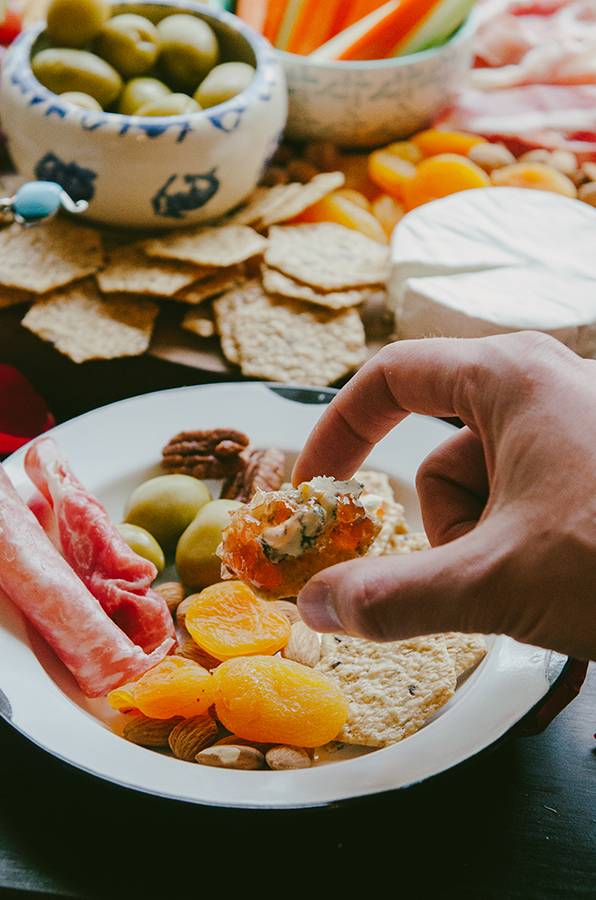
(224, 82)
(188, 50)
(196, 560)
(143, 543)
(138, 91)
(74, 23)
(129, 43)
(81, 99)
(169, 105)
(62, 69)
(166, 505)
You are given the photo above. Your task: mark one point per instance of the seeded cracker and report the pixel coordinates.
(327, 256)
(223, 245)
(44, 258)
(129, 269)
(282, 202)
(394, 688)
(83, 325)
(277, 283)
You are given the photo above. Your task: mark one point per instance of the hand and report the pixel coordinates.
(508, 502)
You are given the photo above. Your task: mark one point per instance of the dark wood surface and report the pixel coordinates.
(517, 822)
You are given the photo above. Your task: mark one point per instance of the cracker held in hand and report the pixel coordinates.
(394, 688)
(280, 539)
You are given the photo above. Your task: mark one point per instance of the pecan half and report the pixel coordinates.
(264, 470)
(217, 453)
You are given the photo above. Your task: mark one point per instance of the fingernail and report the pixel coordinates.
(316, 607)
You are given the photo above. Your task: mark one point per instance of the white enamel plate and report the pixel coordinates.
(117, 447)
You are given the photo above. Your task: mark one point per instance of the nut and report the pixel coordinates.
(191, 736)
(264, 470)
(231, 756)
(282, 756)
(490, 156)
(172, 592)
(288, 608)
(190, 650)
(303, 646)
(149, 732)
(206, 454)
(587, 193)
(181, 610)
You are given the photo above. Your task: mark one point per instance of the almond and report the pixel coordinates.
(181, 610)
(283, 756)
(191, 736)
(231, 756)
(303, 646)
(191, 650)
(289, 609)
(149, 732)
(172, 592)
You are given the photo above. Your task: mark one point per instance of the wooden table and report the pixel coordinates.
(518, 821)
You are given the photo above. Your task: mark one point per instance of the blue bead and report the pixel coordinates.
(37, 199)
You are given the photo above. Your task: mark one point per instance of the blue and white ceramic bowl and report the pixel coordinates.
(141, 172)
(370, 103)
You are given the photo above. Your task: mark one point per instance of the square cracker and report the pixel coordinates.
(393, 688)
(327, 256)
(278, 283)
(267, 206)
(217, 245)
(288, 341)
(465, 649)
(84, 325)
(48, 256)
(129, 269)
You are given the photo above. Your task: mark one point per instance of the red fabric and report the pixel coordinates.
(23, 413)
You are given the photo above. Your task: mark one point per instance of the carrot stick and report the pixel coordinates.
(345, 39)
(380, 41)
(358, 10)
(438, 25)
(273, 19)
(253, 12)
(314, 24)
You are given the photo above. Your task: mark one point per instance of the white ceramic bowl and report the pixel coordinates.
(367, 104)
(157, 172)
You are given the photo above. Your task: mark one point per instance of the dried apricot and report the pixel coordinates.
(227, 620)
(434, 141)
(438, 176)
(174, 687)
(390, 172)
(535, 175)
(344, 211)
(388, 211)
(278, 701)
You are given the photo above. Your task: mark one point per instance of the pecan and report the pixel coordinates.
(264, 470)
(217, 453)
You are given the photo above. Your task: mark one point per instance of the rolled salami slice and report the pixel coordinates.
(116, 576)
(45, 588)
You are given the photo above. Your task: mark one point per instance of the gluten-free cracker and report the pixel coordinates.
(48, 256)
(129, 269)
(217, 245)
(84, 325)
(465, 649)
(277, 283)
(393, 688)
(268, 206)
(327, 256)
(218, 282)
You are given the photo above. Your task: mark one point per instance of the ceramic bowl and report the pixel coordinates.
(148, 172)
(367, 104)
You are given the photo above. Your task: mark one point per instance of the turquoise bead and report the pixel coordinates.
(37, 200)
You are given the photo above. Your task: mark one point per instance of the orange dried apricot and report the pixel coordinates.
(434, 141)
(338, 208)
(388, 211)
(390, 172)
(227, 620)
(535, 175)
(405, 150)
(355, 196)
(278, 701)
(174, 687)
(438, 176)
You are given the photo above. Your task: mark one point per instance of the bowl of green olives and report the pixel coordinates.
(159, 114)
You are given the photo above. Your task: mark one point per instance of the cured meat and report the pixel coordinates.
(45, 588)
(116, 576)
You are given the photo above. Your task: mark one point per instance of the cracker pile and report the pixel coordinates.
(286, 300)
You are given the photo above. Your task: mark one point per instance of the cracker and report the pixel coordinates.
(83, 325)
(393, 688)
(267, 206)
(217, 245)
(278, 283)
(375, 482)
(48, 256)
(465, 649)
(407, 543)
(11, 296)
(218, 282)
(288, 341)
(196, 321)
(129, 269)
(327, 256)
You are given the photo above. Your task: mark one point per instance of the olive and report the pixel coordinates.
(143, 543)
(129, 43)
(169, 105)
(74, 23)
(166, 505)
(62, 69)
(81, 99)
(138, 91)
(187, 51)
(196, 560)
(224, 82)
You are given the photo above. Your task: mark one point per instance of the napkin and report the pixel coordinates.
(23, 413)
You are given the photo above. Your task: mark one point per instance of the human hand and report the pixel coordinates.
(508, 502)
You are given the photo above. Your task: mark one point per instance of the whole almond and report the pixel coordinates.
(303, 646)
(288, 608)
(192, 735)
(149, 732)
(231, 756)
(172, 592)
(181, 610)
(282, 756)
(191, 650)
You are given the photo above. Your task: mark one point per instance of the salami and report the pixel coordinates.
(116, 576)
(44, 587)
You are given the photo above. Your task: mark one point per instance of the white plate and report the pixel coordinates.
(115, 448)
